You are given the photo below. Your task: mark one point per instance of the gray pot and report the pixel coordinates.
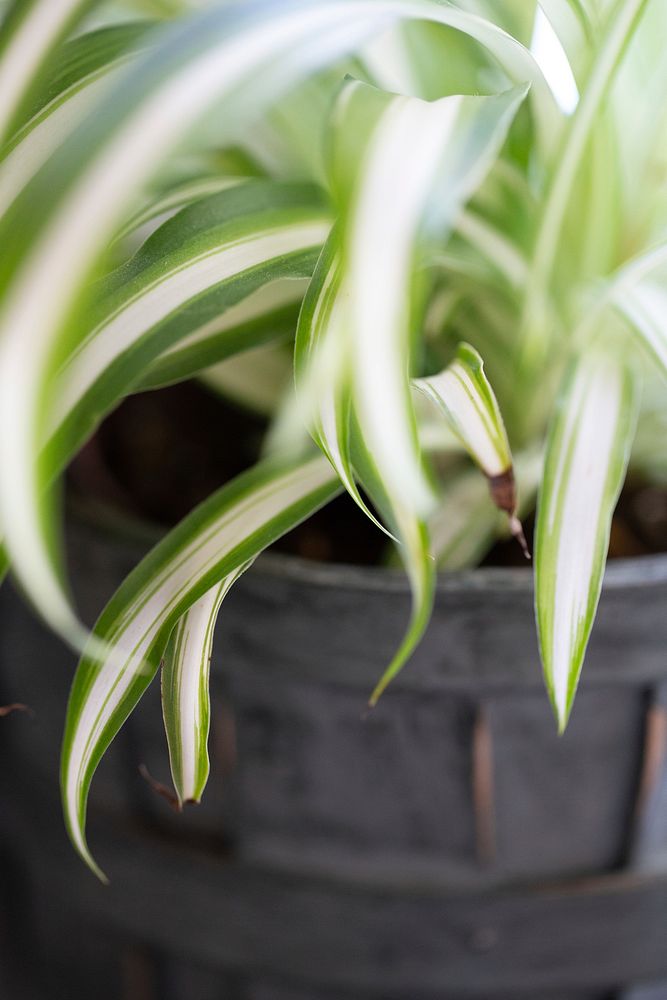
(447, 845)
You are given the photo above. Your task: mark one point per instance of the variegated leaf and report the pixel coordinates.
(215, 541)
(30, 30)
(240, 57)
(201, 288)
(418, 163)
(87, 67)
(587, 455)
(463, 394)
(185, 690)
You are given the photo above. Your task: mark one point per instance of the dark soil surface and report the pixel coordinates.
(161, 453)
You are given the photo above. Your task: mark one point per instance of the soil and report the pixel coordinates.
(161, 453)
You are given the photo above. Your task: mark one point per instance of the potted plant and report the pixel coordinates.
(456, 230)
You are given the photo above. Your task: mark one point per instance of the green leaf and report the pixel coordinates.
(204, 286)
(30, 31)
(622, 25)
(418, 162)
(413, 548)
(236, 59)
(185, 690)
(463, 394)
(267, 315)
(321, 368)
(87, 67)
(587, 455)
(215, 541)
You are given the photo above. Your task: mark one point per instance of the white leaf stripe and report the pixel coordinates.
(242, 55)
(322, 381)
(185, 690)
(222, 535)
(271, 312)
(587, 455)
(98, 58)
(182, 283)
(413, 549)
(463, 394)
(29, 32)
(406, 161)
(160, 300)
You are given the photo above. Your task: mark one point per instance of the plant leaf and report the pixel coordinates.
(418, 162)
(320, 367)
(185, 690)
(256, 379)
(463, 394)
(268, 314)
(87, 67)
(622, 25)
(587, 454)
(644, 306)
(413, 548)
(237, 57)
(216, 540)
(30, 30)
(210, 258)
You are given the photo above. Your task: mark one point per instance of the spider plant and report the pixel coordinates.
(449, 213)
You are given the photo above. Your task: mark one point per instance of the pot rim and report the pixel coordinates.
(635, 572)
(631, 573)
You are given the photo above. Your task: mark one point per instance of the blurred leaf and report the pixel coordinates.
(212, 544)
(587, 454)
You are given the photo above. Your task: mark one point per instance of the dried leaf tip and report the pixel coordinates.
(516, 529)
(503, 493)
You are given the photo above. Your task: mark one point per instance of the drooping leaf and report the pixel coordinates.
(199, 285)
(269, 314)
(321, 367)
(587, 455)
(215, 541)
(238, 57)
(417, 163)
(185, 690)
(413, 549)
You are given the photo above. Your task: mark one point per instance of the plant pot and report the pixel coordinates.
(447, 845)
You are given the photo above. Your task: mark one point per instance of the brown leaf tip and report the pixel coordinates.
(503, 491)
(516, 528)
